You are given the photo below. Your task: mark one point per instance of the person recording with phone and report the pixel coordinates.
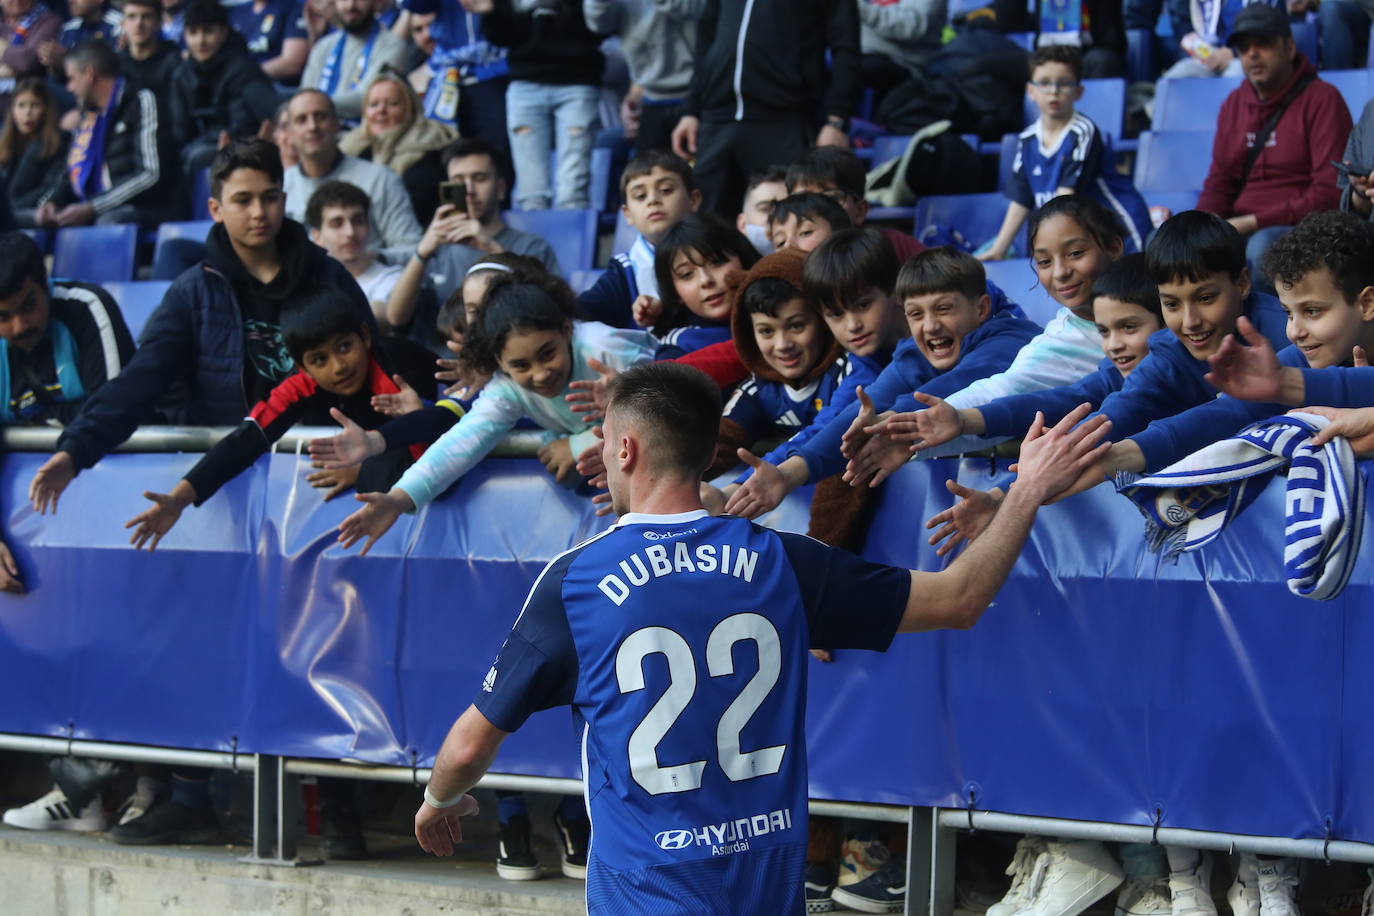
(1355, 172)
(466, 227)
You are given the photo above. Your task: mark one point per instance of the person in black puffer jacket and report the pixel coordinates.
(33, 149)
(218, 88)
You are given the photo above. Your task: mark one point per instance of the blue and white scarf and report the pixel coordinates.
(1187, 504)
(332, 72)
(86, 156)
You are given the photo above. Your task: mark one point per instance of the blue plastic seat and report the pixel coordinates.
(976, 216)
(1191, 104)
(1305, 37)
(1104, 101)
(41, 237)
(95, 254)
(137, 301)
(197, 230)
(889, 146)
(1172, 160)
(1355, 86)
(1017, 279)
(572, 233)
(1175, 201)
(582, 280)
(1024, 39)
(200, 195)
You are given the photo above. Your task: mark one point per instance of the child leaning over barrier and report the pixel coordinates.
(527, 337)
(338, 373)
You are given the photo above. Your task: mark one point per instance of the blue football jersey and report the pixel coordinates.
(680, 641)
(267, 29)
(1081, 160)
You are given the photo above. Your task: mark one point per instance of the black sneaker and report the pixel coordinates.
(170, 823)
(574, 838)
(884, 891)
(819, 884)
(516, 860)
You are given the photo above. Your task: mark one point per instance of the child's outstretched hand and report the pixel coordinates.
(374, 519)
(761, 493)
(590, 463)
(9, 572)
(50, 480)
(353, 444)
(867, 424)
(936, 425)
(589, 396)
(463, 382)
(396, 405)
(646, 310)
(558, 459)
(876, 461)
(333, 482)
(151, 524)
(966, 519)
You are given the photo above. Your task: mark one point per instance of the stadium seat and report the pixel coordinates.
(976, 216)
(572, 233)
(137, 301)
(1006, 159)
(41, 237)
(1305, 37)
(1024, 39)
(195, 229)
(625, 235)
(1175, 160)
(95, 254)
(200, 195)
(1174, 201)
(889, 146)
(582, 280)
(1355, 86)
(1017, 279)
(1104, 101)
(1191, 104)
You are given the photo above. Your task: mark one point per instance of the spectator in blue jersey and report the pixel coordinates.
(33, 148)
(460, 236)
(275, 33)
(551, 103)
(340, 366)
(217, 91)
(1063, 152)
(90, 19)
(670, 580)
(771, 78)
(794, 363)
(343, 64)
(396, 134)
(146, 59)
(467, 75)
(693, 263)
(658, 191)
(117, 168)
(526, 337)
(839, 174)
(804, 221)
(765, 188)
(173, 21)
(658, 40)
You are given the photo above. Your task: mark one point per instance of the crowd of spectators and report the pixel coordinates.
(360, 158)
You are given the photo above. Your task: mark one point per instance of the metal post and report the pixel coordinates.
(276, 808)
(264, 808)
(929, 864)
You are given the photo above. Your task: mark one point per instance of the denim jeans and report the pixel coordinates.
(541, 118)
(1343, 28)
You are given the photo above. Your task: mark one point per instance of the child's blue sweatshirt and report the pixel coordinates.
(1170, 379)
(690, 338)
(1013, 416)
(1171, 439)
(630, 273)
(987, 349)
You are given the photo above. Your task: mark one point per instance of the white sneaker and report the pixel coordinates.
(51, 812)
(1244, 895)
(1071, 877)
(1028, 850)
(1146, 891)
(1278, 887)
(1191, 888)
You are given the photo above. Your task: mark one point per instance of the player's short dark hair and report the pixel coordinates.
(1343, 243)
(713, 240)
(821, 166)
(942, 270)
(1128, 279)
(847, 264)
(20, 258)
(808, 205)
(473, 146)
(646, 162)
(1095, 220)
(244, 153)
(1067, 55)
(206, 12)
(678, 407)
(334, 194)
(1192, 246)
(97, 54)
(311, 321)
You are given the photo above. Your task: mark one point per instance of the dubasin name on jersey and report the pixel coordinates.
(658, 560)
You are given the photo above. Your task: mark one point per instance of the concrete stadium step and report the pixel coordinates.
(87, 875)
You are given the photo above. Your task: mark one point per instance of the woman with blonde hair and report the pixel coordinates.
(395, 133)
(33, 149)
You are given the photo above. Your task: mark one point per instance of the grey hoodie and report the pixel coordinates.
(657, 37)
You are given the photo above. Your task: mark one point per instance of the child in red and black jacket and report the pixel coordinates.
(340, 372)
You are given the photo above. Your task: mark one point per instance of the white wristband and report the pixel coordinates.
(435, 803)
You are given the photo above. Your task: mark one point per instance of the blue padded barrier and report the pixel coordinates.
(1100, 685)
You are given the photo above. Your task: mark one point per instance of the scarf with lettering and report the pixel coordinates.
(86, 157)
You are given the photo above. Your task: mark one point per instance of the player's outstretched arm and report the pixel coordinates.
(1051, 460)
(468, 750)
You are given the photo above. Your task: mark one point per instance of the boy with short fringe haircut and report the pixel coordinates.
(803, 221)
(658, 191)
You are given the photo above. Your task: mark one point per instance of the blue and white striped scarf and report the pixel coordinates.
(1188, 503)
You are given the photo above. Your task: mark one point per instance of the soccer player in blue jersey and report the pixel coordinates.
(679, 639)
